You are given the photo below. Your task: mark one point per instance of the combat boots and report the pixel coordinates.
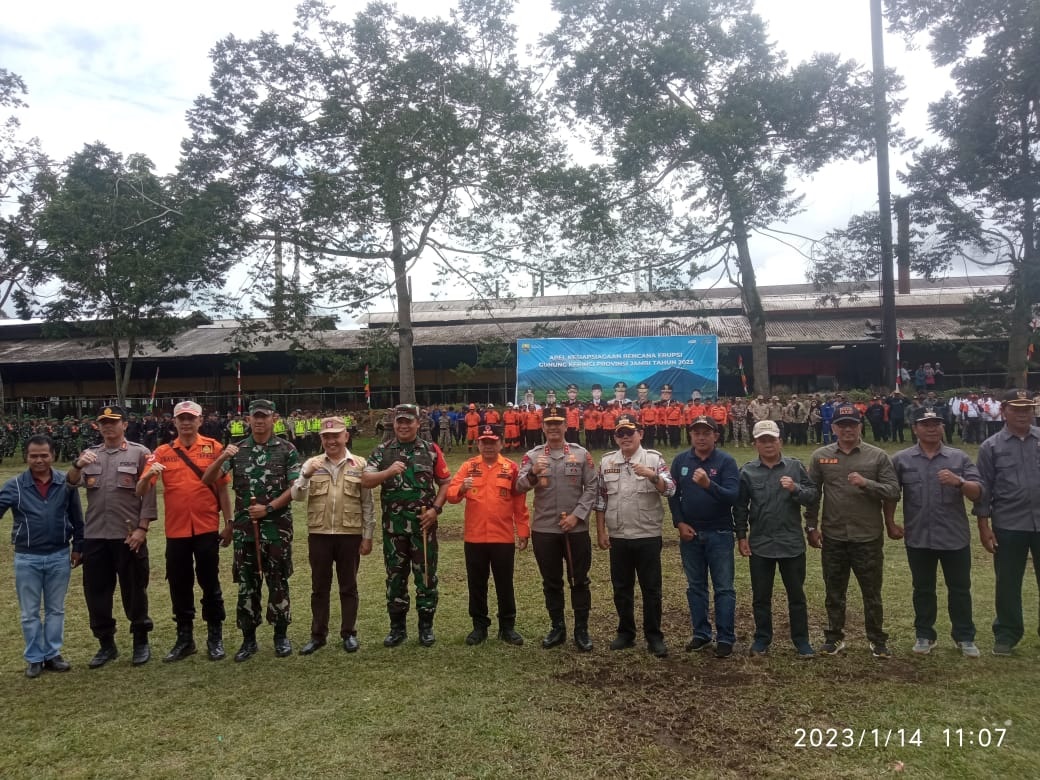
(398, 633)
(282, 645)
(182, 648)
(142, 650)
(508, 634)
(426, 638)
(215, 642)
(581, 633)
(557, 634)
(248, 648)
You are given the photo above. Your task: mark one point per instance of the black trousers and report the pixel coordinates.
(494, 559)
(105, 561)
(956, 566)
(631, 559)
(550, 551)
(189, 558)
(763, 575)
(344, 552)
(1009, 563)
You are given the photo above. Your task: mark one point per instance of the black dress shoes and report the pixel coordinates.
(56, 664)
(350, 644)
(311, 646)
(107, 652)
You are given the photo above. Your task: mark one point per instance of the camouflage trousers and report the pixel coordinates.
(867, 561)
(401, 553)
(740, 432)
(276, 566)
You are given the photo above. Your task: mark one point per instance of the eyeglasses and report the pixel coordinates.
(624, 433)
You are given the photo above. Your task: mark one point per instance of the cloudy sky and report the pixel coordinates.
(125, 73)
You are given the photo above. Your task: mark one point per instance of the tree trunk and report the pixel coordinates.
(405, 337)
(117, 367)
(752, 303)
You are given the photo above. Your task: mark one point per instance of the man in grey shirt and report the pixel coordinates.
(935, 479)
(772, 491)
(1009, 464)
(563, 477)
(115, 535)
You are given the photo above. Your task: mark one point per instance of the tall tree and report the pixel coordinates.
(25, 173)
(978, 187)
(696, 105)
(369, 142)
(130, 251)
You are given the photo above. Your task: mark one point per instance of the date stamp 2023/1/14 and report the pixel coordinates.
(960, 737)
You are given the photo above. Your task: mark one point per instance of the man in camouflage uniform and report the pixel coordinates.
(738, 414)
(414, 479)
(263, 468)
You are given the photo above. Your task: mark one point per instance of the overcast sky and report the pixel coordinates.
(125, 73)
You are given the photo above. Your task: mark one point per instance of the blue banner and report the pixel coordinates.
(687, 363)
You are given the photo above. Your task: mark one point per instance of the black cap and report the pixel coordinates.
(488, 432)
(1016, 397)
(111, 413)
(553, 413)
(572, 386)
(846, 412)
(705, 420)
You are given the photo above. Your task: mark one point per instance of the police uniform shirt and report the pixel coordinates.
(113, 508)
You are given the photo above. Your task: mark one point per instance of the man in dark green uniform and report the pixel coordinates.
(263, 469)
(414, 479)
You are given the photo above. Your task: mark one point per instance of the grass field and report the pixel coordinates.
(499, 711)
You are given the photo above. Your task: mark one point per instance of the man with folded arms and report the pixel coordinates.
(192, 523)
(496, 524)
(340, 524)
(47, 518)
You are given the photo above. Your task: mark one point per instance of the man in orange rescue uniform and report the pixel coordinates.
(496, 523)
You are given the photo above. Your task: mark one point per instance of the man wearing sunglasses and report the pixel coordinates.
(629, 516)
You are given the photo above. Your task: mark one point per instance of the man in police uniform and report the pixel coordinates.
(414, 479)
(563, 477)
(629, 517)
(263, 468)
(340, 525)
(620, 390)
(115, 535)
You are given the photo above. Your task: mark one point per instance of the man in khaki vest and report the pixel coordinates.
(340, 524)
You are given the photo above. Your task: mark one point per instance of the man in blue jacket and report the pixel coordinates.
(707, 481)
(47, 518)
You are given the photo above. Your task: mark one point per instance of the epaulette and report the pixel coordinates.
(655, 452)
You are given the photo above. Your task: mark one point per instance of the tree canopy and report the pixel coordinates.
(976, 189)
(130, 251)
(371, 142)
(696, 105)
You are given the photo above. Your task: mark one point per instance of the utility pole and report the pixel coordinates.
(888, 295)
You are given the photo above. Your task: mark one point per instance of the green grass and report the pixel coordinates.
(497, 711)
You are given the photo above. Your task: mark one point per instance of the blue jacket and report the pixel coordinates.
(43, 525)
(827, 412)
(705, 509)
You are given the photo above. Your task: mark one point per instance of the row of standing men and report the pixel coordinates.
(713, 505)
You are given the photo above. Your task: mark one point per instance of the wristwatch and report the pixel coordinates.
(270, 509)
(438, 509)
